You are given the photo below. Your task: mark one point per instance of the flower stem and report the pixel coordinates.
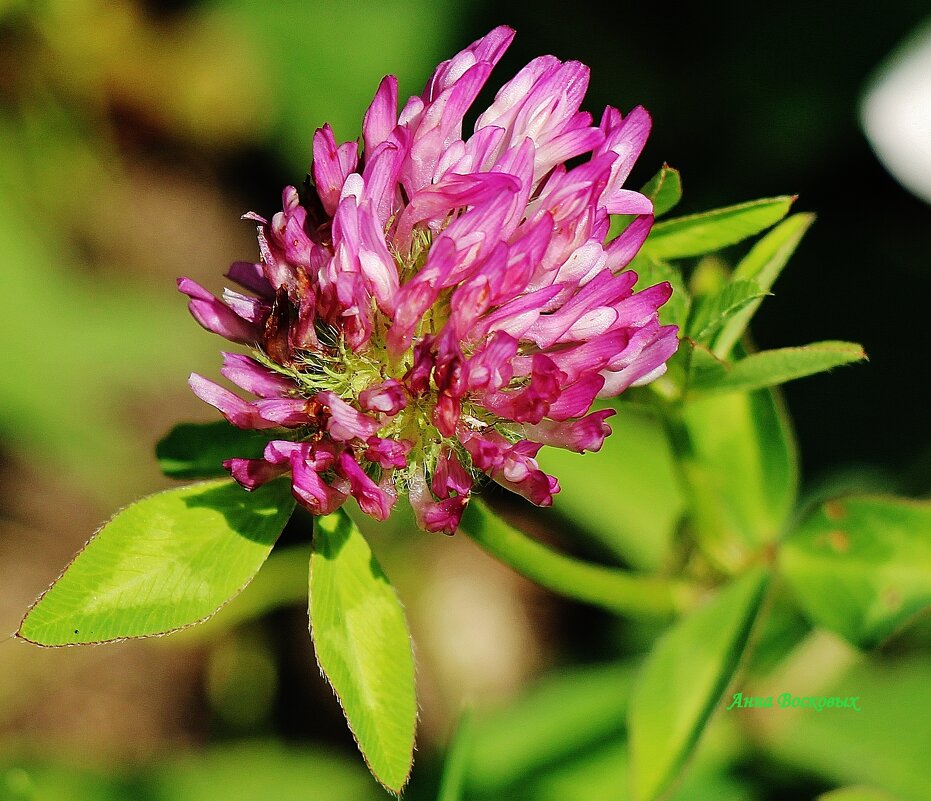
(611, 588)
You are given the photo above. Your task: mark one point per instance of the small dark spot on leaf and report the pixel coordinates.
(835, 510)
(75, 631)
(839, 541)
(892, 598)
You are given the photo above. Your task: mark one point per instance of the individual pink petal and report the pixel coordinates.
(287, 412)
(216, 316)
(250, 276)
(488, 49)
(288, 229)
(576, 398)
(622, 249)
(530, 404)
(240, 413)
(417, 379)
(626, 201)
(247, 373)
(252, 473)
(537, 487)
(382, 170)
(644, 360)
(382, 114)
(373, 499)
(432, 515)
(586, 434)
(252, 310)
(641, 308)
(312, 491)
(389, 453)
(388, 397)
(625, 137)
(490, 367)
(331, 166)
(346, 423)
(445, 515)
(281, 451)
(450, 476)
(446, 413)
(590, 356)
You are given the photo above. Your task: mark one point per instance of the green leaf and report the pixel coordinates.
(664, 189)
(363, 647)
(567, 712)
(740, 460)
(249, 770)
(715, 311)
(163, 563)
(712, 230)
(861, 565)
(762, 264)
(682, 680)
(650, 272)
(885, 745)
(772, 367)
(860, 793)
(281, 582)
(197, 450)
(452, 782)
(254, 771)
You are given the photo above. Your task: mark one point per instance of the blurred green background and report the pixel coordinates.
(133, 136)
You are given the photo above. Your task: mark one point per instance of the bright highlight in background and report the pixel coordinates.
(896, 114)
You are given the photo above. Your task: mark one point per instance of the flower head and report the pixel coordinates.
(436, 308)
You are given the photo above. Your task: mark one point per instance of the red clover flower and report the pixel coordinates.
(436, 309)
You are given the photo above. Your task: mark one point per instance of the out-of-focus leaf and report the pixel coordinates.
(197, 450)
(566, 713)
(861, 565)
(772, 367)
(713, 230)
(243, 771)
(333, 78)
(715, 311)
(709, 275)
(602, 772)
(860, 793)
(102, 340)
(650, 272)
(781, 629)
(664, 189)
(565, 739)
(741, 463)
(886, 745)
(626, 495)
(762, 264)
(363, 647)
(241, 680)
(682, 680)
(251, 771)
(452, 782)
(163, 563)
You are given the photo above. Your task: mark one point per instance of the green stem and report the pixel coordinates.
(611, 588)
(703, 508)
